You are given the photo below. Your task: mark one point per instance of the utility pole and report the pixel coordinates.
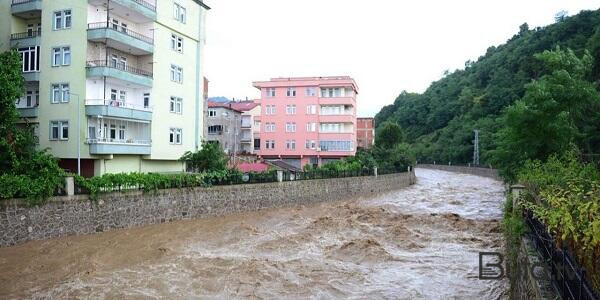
(476, 148)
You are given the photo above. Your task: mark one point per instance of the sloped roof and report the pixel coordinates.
(244, 105)
(222, 105)
(252, 167)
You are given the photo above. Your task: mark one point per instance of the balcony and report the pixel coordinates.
(345, 118)
(28, 112)
(117, 109)
(246, 139)
(138, 10)
(111, 146)
(101, 68)
(120, 38)
(32, 76)
(26, 8)
(25, 39)
(337, 101)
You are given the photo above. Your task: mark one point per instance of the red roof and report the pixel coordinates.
(253, 167)
(223, 105)
(243, 105)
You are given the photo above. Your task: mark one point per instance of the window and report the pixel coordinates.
(176, 105)
(331, 92)
(215, 129)
(212, 113)
(270, 144)
(270, 110)
(176, 74)
(175, 136)
(311, 109)
(176, 43)
(291, 92)
(310, 92)
(64, 130)
(290, 127)
(54, 130)
(271, 92)
(335, 110)
(336, 145)
(179, 13)
(62, 19)
(331, 128)
(122, 132)
(60, 93)
(311, 127)
(30, 57)
(269, 127)
(113, 131)
(61, 56)
(290, 109)
(146, 100)
(290, 145)
(311, 144)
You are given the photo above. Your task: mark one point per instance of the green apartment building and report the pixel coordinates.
(117, 83)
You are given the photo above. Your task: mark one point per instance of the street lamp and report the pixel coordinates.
(78, 135)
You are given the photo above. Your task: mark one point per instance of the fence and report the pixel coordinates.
(124, 30)
(566, 276)
(118, 65)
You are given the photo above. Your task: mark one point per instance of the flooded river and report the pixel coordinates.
(419, 242)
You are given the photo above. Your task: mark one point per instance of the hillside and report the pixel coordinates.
(439, 123)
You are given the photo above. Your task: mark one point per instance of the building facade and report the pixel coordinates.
(365, 133)
(224, 127)
(117, 83)
(308, 120)
(250, 128)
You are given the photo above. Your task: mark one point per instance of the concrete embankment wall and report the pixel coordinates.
(485, 172)
(76, 215)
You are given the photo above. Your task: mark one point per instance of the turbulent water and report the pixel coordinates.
(418, 242)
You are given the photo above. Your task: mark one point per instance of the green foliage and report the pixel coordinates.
(154, 181)
(210, 158)
(24, 171)
(397, 157)
(439, 123)
(559, 109)
(513, 227)
(388, 135)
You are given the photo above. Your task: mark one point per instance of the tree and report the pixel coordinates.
(559, 109)
(388, 135)
(11, 88)
(210, 158)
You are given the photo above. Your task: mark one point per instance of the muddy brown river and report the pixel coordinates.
(420, 242)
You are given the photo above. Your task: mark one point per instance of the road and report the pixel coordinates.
(418, 242)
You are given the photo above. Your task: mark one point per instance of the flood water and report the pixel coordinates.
(418, 242)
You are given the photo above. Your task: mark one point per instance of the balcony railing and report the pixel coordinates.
(124, 30)
(17, 2)
(25, 35)
(118, 66)
(117, 103)
(145, 4)
(141, 142)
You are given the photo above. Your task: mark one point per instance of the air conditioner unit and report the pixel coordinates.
(318, 149)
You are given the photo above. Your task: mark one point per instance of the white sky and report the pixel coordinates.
(386, 45)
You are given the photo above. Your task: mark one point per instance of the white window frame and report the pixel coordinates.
(290, 127)
(311, 127)
(212, 113)
(59, 56)
(62, 19)
(176, 43)
(271, 92)
(291, 92)
(63, 90)
(311, 109)
(176, 73)
(310, 92)
(63, 125)
(54, 125)
(175, 136)
(29, 55)
(176, 105)
(290, 109)
(179, 12)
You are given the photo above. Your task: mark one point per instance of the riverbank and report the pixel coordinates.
(77, 215)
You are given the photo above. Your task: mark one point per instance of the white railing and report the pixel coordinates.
(133, 142)
(117, 103)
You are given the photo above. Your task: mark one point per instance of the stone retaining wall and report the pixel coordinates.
(484, 172)
(75, 215)
(530, 281)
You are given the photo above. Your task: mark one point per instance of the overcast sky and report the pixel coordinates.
(386, 45)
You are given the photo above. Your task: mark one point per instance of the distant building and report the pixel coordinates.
(308, 120)
(250, 128)
(365, 133)
(224, 126)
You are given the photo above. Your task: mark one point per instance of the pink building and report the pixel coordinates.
(308, 120)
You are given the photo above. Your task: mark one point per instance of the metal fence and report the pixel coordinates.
(567, 277)
(124, 30)
(119, 66)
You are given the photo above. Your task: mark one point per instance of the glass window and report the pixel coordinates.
(179, 13)
(65, 92)
(212, 113)
(291, 109)
(54, 130)
(122, 132)
(56, 93)
(291, 92)
(310, 92)
(66, 51)
(271, 92)
(67, 14)
(56, 57)
(146, 100)
(64, 130)
(58, 20)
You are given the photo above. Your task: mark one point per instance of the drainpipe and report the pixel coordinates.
(199, 82)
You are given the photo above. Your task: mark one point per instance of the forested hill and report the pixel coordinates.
(439, 123)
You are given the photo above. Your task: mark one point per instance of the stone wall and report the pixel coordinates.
(485, 172)
(64, 216)
(530, 281)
